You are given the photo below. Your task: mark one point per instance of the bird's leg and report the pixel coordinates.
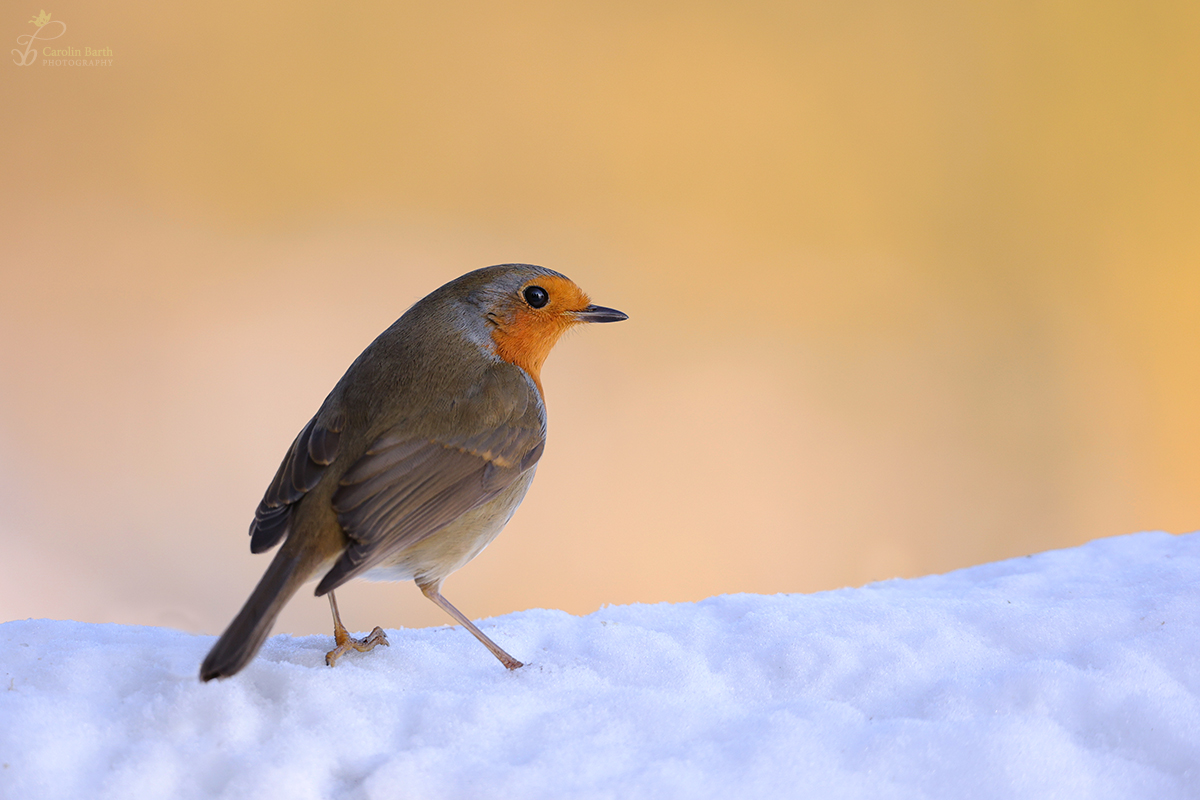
(346, 642)
(431, 591)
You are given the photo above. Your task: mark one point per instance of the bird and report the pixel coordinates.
(417, 458)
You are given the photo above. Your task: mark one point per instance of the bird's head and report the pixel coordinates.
(527, 308)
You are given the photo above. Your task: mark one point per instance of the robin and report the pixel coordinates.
(417, 458)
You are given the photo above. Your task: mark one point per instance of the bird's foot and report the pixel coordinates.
(346, 643)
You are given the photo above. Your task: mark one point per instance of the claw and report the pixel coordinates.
(346, 643)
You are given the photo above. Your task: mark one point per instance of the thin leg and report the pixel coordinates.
(433, 594)
(346, 642)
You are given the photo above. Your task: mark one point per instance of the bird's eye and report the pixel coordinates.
(536, 296)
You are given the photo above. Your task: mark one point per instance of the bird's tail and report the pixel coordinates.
(241, 640)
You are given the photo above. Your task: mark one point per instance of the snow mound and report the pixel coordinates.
(1067, 674)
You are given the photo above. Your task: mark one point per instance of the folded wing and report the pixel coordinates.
(313, 450)
(405, 488)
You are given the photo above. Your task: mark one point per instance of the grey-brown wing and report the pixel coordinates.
(313, 450)
(405, 488)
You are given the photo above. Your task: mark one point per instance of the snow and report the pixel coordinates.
(1067, 674)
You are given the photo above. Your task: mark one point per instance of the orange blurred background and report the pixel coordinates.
(911, 286)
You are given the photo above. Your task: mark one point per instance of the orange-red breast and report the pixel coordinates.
(418, 457)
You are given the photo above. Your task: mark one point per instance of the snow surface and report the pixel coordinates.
(1068, 674)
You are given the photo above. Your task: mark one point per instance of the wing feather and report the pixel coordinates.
(313, 450)
(405, 489)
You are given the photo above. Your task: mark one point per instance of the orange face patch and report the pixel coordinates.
(525, 335)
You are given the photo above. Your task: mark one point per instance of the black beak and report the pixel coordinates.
(600, 314)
